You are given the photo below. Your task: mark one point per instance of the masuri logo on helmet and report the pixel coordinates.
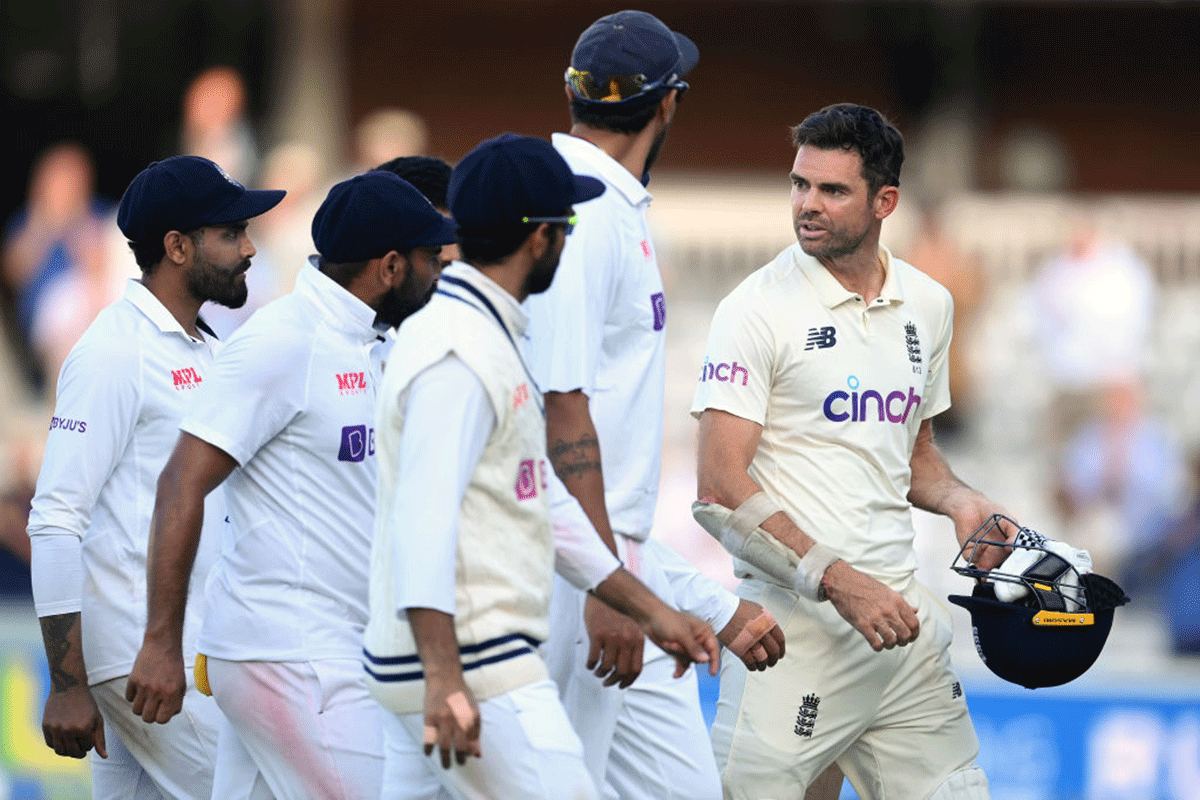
(1042, 617)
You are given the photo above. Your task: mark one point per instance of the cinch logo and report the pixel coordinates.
(725, 373)
(64, 424)
(821, 338)
(529, 477)
(841, 406)
(659, 304)
(358, 442)
(186, 378)
(352, 382)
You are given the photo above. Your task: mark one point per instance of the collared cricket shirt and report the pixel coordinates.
(840, 389)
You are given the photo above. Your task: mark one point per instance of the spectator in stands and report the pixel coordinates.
(55, 263)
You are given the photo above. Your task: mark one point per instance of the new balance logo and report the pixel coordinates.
(821, 338)
(352, 382)
(806, 718)
(186, 378)
(955, 690)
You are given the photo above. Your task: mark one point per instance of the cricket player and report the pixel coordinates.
(597, 348)
(464, 539)
(823, 372)
(287, 416)
(121, 394)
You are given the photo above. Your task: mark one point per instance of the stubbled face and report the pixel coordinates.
(832, 210)
(218, 269)
(542, 275)
(413, 292)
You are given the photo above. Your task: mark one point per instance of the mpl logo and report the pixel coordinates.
(521, 396)
(725, 373)
(530, 476)
(358, 442)
(352, 382)
(186, 378)
(870, 405)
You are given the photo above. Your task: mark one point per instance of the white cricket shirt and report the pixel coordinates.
(121, 393)
(840, 389)
(292, 399)
(601, 328)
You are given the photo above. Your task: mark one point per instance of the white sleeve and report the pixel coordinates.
(739, 363)
(95, 411)
(566, 322)
(693, 591)
(580, 555)
(448, 419)
(56, 565)
(254, 388)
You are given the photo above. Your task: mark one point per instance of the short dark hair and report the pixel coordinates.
(848, 126)
(483, 246)
(629, 119)
(341, 274)
(149, 253)
(430, 176)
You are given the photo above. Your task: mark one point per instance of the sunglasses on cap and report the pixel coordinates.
(619, 87)
(570, 221)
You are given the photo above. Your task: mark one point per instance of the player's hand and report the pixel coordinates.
(452, 721)
(616, 644)
(689, 639)
(157, 683)
(972, 512)
(71, 723)
(878, 612)
(754, 636)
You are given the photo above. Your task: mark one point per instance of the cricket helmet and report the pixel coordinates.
(1042, 617)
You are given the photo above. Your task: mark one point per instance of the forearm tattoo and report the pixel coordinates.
(572, 459)
(56, 633)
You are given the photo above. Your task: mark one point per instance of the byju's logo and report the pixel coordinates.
(820, 338)
(352, 382)
(64, 424)
(530, 477)
(869, 404)
(659, 302)
(358, 442)
(725, 373)
(186, 378)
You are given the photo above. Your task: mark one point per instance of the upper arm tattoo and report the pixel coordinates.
(571, 459)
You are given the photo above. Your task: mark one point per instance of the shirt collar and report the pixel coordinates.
(341, 309)
(505, 304)
(833, 294)
(602, 164)
(145, 301)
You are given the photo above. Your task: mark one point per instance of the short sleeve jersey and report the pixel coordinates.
(291, 399)
(601, 327)
(121, 394)
(840, 389)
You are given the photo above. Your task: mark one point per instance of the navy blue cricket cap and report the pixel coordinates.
(510, 177)
(628, 55)
(371, 214)
(183, 193)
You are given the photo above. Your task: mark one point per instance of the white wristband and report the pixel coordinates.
(811, 569)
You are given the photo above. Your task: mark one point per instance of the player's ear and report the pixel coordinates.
(176, 246)
(886, 200)
(540, 240)
(392, 268)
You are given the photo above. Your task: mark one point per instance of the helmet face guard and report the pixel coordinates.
(1038, 619)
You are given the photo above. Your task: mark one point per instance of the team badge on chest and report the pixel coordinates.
(913, 342)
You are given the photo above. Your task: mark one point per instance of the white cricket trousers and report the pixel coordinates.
(296, 730)
(529, 751)
(895, 721)
(146, 760)
(646, 742)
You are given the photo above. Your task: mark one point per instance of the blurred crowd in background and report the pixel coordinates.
(1072, 375)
